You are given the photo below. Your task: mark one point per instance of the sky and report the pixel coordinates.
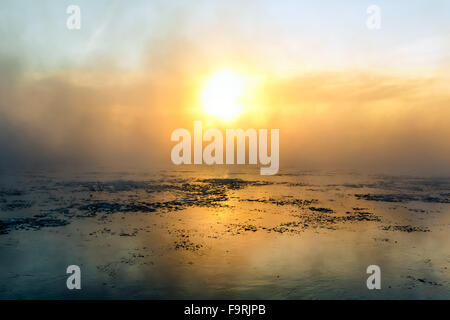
(110, 94)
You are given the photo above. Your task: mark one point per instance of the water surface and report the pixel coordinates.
(203, 235)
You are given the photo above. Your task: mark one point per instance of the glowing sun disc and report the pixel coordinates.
(221, 95)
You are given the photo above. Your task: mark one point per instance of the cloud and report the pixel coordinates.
(95, 112)
(361, 120)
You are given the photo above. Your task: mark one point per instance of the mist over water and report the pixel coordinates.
(86, 176)
(78, 100)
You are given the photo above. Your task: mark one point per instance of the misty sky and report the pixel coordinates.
(110, 94)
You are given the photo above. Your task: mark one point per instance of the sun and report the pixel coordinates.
(221, 95)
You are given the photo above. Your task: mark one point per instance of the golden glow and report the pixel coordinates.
(221, 95)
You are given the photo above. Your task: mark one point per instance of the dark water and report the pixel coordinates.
(202, 234)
